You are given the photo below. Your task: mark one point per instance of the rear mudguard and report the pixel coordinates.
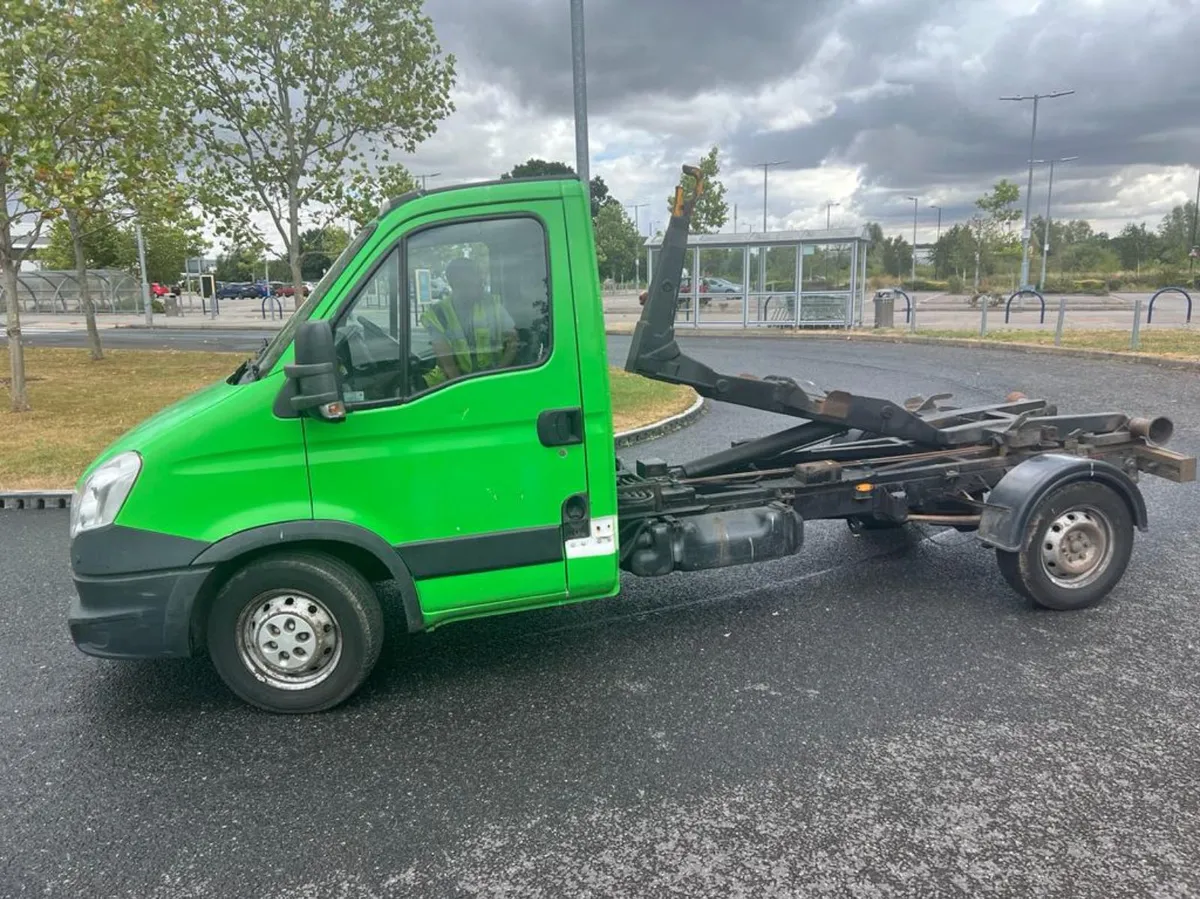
(1012, 502)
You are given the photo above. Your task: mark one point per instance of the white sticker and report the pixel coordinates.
(353, 396)
(602, 542)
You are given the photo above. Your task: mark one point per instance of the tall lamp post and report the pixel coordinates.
(937, 239)
(579, 78)
(914, 243)
(828, 205)
(1046, 236)
(765, 166)
(637, 257)
(425, 178)
(1026, 232)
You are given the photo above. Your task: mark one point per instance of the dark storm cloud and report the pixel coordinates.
(937, 126)
(1137, 101)
(677, 47)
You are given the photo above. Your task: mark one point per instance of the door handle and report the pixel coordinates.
(560, 427)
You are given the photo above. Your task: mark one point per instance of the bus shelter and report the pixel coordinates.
(799, 279)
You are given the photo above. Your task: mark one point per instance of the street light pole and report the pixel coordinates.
(1046, 236)
(937, 239)
(1026, 232)
(637, 257)
(765, 166)
(579, 77)
(1195, 214)
(828, 205)
(914, 243)
(425, 177)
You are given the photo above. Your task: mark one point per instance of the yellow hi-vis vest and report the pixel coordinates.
(487, 320)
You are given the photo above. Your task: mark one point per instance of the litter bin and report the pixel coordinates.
(885, 309)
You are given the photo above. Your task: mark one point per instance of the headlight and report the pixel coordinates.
(97, 502)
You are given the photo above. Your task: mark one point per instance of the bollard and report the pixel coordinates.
(983, 304)
(1136, 336)
(1062, 316)
(912, 320)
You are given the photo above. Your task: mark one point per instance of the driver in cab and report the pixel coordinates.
(470, 329)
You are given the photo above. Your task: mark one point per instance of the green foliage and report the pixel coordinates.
(319, 247)
(541, 168)
(711, 210)
(1175, 234)
(103, 243)
(300, 103)
(365, 201)
(617, 242)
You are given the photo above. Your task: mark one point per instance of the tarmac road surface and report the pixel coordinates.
(878, 716)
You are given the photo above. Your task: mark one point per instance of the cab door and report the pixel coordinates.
(468, 477)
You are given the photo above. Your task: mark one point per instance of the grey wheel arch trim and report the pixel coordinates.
(1012, 501)
(286, 533)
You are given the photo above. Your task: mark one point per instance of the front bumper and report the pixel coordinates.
(136, 616)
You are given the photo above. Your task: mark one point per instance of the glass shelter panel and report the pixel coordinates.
(721, 285)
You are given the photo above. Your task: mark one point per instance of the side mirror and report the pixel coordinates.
(318, 390)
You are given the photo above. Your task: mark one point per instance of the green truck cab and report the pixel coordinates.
(237, 522)
(459, 444)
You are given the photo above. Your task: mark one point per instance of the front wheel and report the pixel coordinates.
(295, 632)
(1076, 548)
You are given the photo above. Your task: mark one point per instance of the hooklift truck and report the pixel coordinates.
(251, 519)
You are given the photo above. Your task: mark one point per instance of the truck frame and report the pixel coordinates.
(875, 463)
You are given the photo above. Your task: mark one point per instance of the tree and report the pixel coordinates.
(41, 51)
(102, 243)
(617, 242)
(118, 161)
(365, 201)
(711, 211)
(896, 256)
(1000, 207)
(299, 103)
(319, 247)
(1175, 234)
(1135, 245)
(169, 244)
(955, 251)
(541, 168)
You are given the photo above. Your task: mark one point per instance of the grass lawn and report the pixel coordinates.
(1174, 343)
(79, 406)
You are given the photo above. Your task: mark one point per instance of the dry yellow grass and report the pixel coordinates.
(80, 406)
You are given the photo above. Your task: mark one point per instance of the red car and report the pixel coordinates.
(159, 290)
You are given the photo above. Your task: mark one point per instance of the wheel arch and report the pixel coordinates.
(1011, 503)
(364, 550)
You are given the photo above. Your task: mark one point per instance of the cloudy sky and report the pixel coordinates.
(867, 101)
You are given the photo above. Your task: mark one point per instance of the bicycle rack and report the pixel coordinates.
(1187, 296)
(277, 304)
(1022, 292)
(907, 303)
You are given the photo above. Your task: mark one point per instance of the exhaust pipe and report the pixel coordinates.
(1156, 430)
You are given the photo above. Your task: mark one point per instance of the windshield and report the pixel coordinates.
(273, 350)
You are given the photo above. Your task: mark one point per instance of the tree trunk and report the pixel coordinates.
(16, 352)
(293, 247)
(85, 292)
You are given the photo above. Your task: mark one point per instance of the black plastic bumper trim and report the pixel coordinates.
(141, 616)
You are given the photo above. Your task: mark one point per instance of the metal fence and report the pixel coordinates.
(112, 291)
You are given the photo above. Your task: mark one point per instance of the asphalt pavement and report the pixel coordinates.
(878, 716)
(239, 340)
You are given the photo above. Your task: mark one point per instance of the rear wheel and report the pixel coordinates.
(1075, 549)
(295, 632)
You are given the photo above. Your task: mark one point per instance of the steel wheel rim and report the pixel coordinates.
(289, 640)
(1077, 547)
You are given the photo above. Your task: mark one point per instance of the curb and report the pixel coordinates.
(662, 428)
(1033, 348)
(33, 500)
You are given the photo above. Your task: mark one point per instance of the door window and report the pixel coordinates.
(481, 299)
(476, 300)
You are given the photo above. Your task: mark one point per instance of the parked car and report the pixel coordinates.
(159, 290)
(256, 290)
(289, 290)
(230, 291)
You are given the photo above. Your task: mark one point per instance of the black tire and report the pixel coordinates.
(327, 590)
(1034, 572)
